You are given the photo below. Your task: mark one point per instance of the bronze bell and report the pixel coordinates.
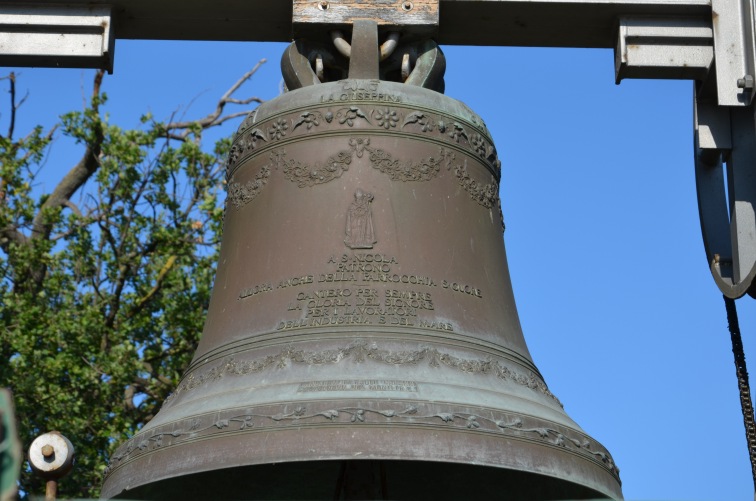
(362, 341)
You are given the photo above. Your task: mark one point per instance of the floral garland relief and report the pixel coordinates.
(360, 351)
(510, 424)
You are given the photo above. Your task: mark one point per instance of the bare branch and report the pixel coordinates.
(74, 208)
(216, 117)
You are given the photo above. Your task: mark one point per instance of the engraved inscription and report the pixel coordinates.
(465, 289)
(257, 289)
(360, 233)
(293, 282)
(361, 96)
(323, 321)
(358, 385)
(360, 90)
(362, 289)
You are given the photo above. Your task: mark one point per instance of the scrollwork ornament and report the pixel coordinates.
(424, 170)
(305, 175)
(241, 194)
(486, 195)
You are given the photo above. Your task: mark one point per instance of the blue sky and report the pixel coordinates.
(615, 298)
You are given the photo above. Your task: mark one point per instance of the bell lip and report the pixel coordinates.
(427, 444)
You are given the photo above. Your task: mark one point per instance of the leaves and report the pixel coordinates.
(105, 281)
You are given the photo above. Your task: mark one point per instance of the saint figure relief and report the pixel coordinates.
(359, 222)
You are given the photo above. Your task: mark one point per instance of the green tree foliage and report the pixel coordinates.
(105, 280)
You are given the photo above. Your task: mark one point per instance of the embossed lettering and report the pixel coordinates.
(359, 257)
(443, 326)
(257, 289)
(467, 289)
(293, 282)
(396, 278)
(409, 299)
(323, 320)
(357, 385)
(336, 277)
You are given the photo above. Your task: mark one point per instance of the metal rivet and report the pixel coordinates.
(407, 6)
(322, 5)
(47, 451)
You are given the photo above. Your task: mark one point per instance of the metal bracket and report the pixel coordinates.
(725, 149)
(734, 46)
(676, 48)
(43, 35)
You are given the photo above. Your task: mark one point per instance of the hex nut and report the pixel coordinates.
(51, 455)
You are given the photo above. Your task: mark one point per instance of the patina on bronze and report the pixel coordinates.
(362, 341)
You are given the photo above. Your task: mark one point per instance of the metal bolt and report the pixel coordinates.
(322, 5)
(407, 6)
(47, 451)
(747, 82)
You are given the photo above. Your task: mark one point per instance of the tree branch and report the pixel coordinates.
(12, 125)
(216, 117)
(158, 284)
(77, 176)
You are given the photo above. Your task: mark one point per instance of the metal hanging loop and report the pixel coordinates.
(345, 49)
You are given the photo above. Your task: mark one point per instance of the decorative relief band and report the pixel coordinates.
(306, 175)
(359, 351)
(388, 414)
(387, 118)
(486, 195)
(241, 194)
